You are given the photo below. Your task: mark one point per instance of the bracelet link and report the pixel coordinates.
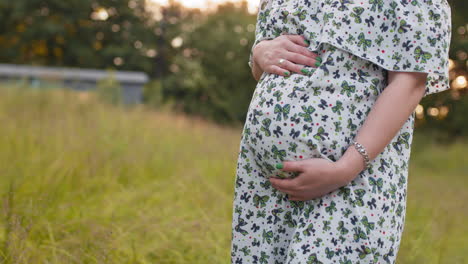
(360, 148)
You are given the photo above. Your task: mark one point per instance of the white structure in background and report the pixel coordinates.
(131, 83)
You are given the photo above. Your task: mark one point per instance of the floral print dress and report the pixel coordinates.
(317, 115)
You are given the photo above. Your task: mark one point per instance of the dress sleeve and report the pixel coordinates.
(261, 32)
(405, 36)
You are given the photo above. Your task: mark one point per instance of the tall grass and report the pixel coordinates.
(436, 228)
(85, 182)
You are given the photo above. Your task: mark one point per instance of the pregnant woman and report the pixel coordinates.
(323, 159)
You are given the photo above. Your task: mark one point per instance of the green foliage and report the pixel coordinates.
(109, 90)
(63, 33)
(212, 77)
(153, 94)
(450, 127)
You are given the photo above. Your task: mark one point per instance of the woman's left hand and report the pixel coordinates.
(317, 177)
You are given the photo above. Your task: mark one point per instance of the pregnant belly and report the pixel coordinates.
(300, 117)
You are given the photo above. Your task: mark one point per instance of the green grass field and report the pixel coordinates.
(85, 182)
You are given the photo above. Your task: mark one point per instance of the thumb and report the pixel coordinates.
(292, 165)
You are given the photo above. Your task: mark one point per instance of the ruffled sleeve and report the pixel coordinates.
(405, 36)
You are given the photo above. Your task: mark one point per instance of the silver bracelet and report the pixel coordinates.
(360, 148)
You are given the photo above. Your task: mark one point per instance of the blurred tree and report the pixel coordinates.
(83, 33)
(172, 22)
(209, 74)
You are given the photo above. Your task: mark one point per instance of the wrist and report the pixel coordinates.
(350, 164)
(255, 50)
(254, 57)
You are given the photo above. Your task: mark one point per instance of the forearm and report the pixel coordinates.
(387, 116)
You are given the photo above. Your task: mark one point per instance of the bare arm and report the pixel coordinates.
(390, 111)
(388, 114)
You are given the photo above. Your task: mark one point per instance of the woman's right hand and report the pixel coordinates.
(291, 48)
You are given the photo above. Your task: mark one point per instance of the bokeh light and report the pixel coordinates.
(459, 82)
(100, 14)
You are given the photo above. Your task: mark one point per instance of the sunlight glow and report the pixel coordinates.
(177, 42)
(207, 4)
(419, 111)
(100, 14)
(459, 82)
(433, 111)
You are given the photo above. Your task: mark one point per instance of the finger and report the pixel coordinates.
(301, 59)
(298, 39)
(279, 70)
(294, 166)
(274, 184)
(280, 189)
(286, 185)
(292, 67)
(294, 47)
(295, 43)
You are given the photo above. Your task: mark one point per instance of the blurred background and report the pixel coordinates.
(112, 116)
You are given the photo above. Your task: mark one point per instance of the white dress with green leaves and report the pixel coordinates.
(318, 115)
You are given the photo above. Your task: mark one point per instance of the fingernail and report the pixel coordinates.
(319, 59)
(279, 166)
(306, 42)
(304, 71)
(286, 73)
(317, 63)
